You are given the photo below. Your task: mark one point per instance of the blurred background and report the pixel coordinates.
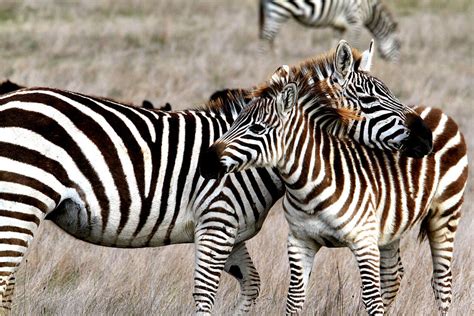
(181, 51)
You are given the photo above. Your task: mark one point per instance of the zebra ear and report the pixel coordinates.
(281, 75)
(343, 62)
(366, 61)
(287, 98)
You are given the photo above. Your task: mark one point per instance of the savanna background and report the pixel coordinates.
(181, 51)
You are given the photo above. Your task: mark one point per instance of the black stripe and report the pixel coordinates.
(30, 182)
(190, 133)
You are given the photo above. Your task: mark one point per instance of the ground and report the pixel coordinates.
(180, 52)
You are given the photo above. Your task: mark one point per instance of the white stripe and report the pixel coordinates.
(15, 188)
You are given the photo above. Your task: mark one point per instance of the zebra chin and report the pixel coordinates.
(420, 141)
(210, 165)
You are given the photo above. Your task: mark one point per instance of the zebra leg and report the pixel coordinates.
(18, 222)
(367, 255)
(270, 26)
(441, 229)
(301, 256)
(240, 266)
(214, 241)
(7, 286)
(391, 272)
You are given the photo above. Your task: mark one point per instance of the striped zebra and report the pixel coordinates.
(342, 15)
(115, 175)
(121, 176)
(339, 193)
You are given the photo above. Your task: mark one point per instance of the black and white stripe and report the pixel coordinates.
(339, 193)
(121, 176)
(342, 15)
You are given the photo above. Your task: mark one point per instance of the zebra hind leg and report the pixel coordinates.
(391, 272)
(7, 287)
(441, 228)
(214, 241)
(21, 212)
(301, 257)
(240, 266)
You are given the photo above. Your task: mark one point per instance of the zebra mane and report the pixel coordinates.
(310, 77)
(227, 101)
(305, 75)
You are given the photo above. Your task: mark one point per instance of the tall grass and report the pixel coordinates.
(180, 52)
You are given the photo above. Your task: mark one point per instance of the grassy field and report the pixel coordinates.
(180, 52)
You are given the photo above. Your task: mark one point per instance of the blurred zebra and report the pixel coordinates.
(8, 86)
(148, 105)
(119, 176)
(342, 15)
(339, 193)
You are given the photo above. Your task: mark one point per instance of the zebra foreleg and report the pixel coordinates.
(367, 255)
(214, 241)
(391, 272)
(441, 230)
(240, 266)
(301, 257)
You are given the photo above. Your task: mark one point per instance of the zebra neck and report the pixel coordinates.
(308, 170)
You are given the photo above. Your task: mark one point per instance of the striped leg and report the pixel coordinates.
(271, 26)
(441, 231)
(301, 256)
(18, 222)
(240, 265)
(391, 272)
(367, 255)
(7, 287)
(214, 240)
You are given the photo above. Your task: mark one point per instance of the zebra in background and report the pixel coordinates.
(342, 15)
(339, 193)
(8, 86)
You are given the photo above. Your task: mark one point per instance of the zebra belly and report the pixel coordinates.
(314, 227)
(74, 219)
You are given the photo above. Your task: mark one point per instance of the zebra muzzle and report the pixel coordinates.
(210, 166)
(420, 141)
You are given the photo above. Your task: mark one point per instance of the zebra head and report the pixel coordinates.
(337, 95)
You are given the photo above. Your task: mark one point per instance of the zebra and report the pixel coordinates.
(339, 193)
(115, 175)
(342, 15)
(120, 176)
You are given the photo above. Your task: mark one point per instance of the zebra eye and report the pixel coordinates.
(367, 99)
(257, 128)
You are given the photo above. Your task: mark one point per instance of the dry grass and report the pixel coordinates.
(182, 51)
